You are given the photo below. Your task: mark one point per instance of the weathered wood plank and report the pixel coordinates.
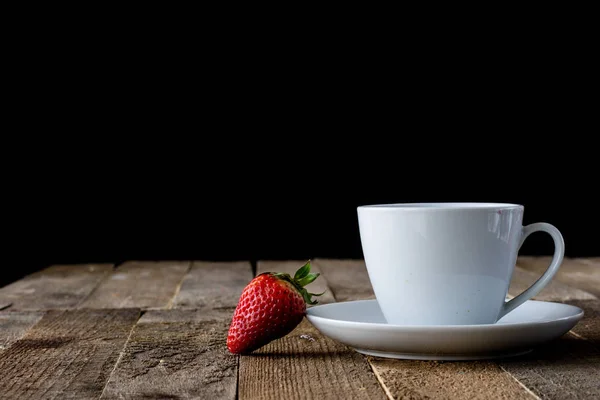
(290, 267)
(554, 291)
(140, 284)
(581, 274)
(213, 284)
(589, 327)
(13, 325)
(56, 287)
(590, 260)
(447, 380)
(568, 368)
(306, 365)
(68, 354)
(176, 354)
(415, 379)
(348, 279)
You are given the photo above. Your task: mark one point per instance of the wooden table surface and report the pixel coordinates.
(157, 330)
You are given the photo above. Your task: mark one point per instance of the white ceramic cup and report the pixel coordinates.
(448, 263)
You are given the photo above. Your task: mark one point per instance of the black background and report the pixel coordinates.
(229, 149)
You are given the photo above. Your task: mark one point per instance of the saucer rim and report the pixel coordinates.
(578, 314)
(444, 356)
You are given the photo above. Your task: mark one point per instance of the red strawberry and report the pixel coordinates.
(270, 307)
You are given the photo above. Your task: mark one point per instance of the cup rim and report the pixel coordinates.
(441, 206)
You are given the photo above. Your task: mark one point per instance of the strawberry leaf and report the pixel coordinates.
(308, 297)
(308, 279)
(303, 271)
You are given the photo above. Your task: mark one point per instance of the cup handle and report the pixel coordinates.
(559, 253)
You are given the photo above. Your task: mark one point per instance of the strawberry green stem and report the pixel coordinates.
(301, 278)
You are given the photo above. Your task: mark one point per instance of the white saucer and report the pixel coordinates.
(361, 325)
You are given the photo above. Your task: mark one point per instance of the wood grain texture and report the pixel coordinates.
(589, 326)
(176, 354)
(290, 267)
(13, 325)
(348, 279)
(590, 260)
(416, 379)
(213, 284)
(568, 368)
(56, 287)
(139, 284)
(68, 354)
(580, 274)
(554, 291)
(306, 365)
(447, 380)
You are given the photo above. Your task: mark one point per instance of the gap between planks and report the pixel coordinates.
(380, 380)
(55, 287)
(121, 353)
(91, 293)
(141, 284)
(178, 288)
(535, 396)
